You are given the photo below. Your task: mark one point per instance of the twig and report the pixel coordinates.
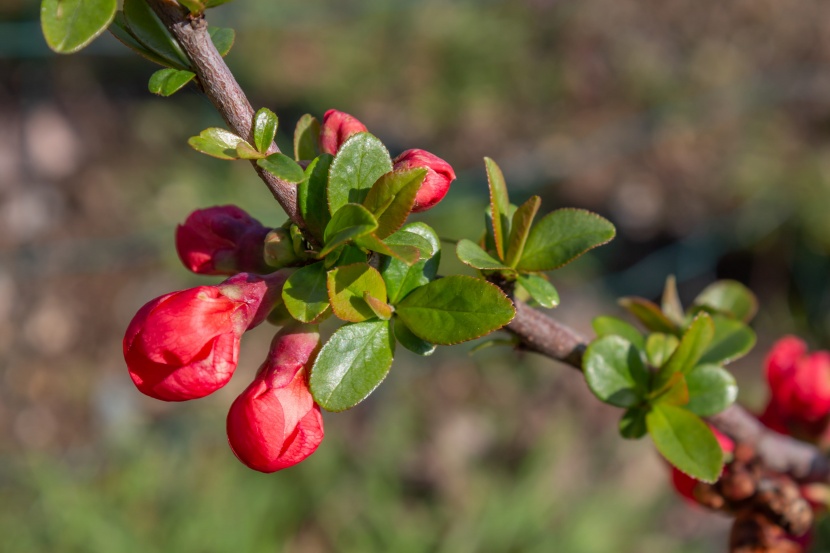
(536, 331)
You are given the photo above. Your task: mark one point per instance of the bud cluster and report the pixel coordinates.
(772, 512)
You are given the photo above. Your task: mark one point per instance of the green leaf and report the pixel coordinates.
(675, 392)
(347, 284)
(69, 25)
(282, 167)
(223, 39)
(246, 151)
(216, 142)
(633, 423)
(403, 252)
(311, 196)
(615, 372)
(349, 222)
(121, 31)
(455, 309)
(305, 294)
(306, 134)
(671, 306)
(361, 161)
(649, 315)
(694, 343)
(711, 390)
(685, 441)
(391, 198)
(520, 230)
(562, 236)
(730, 298)
(352, 364)
(732, 340)
(471, 254)
(611, 326)
(540, 290)
(412, 342)
(198, 6)
(499, 206)
(401, 278)
(168, 81)
(414, 237)
(148, 29)
(380, 308)
(265, 129)
(660, 347)
(350, 255)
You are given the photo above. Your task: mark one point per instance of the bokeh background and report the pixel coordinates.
(702, 130)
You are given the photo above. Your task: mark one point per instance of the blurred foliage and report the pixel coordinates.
(700, 132)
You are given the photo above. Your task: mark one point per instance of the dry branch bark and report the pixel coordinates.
(536, 331)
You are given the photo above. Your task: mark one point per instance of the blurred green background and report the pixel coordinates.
(701, 130)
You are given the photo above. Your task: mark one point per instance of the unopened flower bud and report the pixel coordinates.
(337, 127)
(221, 240)
(275, 422)
(279, 249)
(799, 387)
(185, 345)
(437, 182)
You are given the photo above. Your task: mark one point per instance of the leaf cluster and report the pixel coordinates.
(669, 378)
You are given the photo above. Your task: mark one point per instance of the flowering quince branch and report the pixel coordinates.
(348, 251)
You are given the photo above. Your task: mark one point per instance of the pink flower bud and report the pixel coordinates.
(799, 387)
(337, 127)
(275, 423)
(438, 179)
(222, 240)
(185, 345)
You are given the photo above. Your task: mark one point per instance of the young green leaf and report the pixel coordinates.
(660, 347)
(685, 441)
(401, 278)
(216, 142)
(610, 326)
(520, 230)
(675, 392)
(730, 298)
(562, 236)
(361, 161)
(311, 196)
(148, 29)
(305, 294)
(282, 167)
(350, 222)
(711, 390)
(346, 286)
(649, 315)
(499, 206)
(615, 372)
(265, 129)
(455, 309)
(121, 31)
(410, 341)
(168, 81)
(540, 290)
(380, 308)
(415, 237)
(633, 423)
(306, 134)
(732, 340)
(403, 252)
(692, 345)
(670, 304)
(352, 364)
(69, 25)
(246, 151)
(471, 254)
(222, 38)
(391, 198)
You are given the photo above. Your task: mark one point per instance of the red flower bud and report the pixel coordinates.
(799, 384)
(222, 240)
(275, 423)
(185, 345)
(337, 127)
(438, 179)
